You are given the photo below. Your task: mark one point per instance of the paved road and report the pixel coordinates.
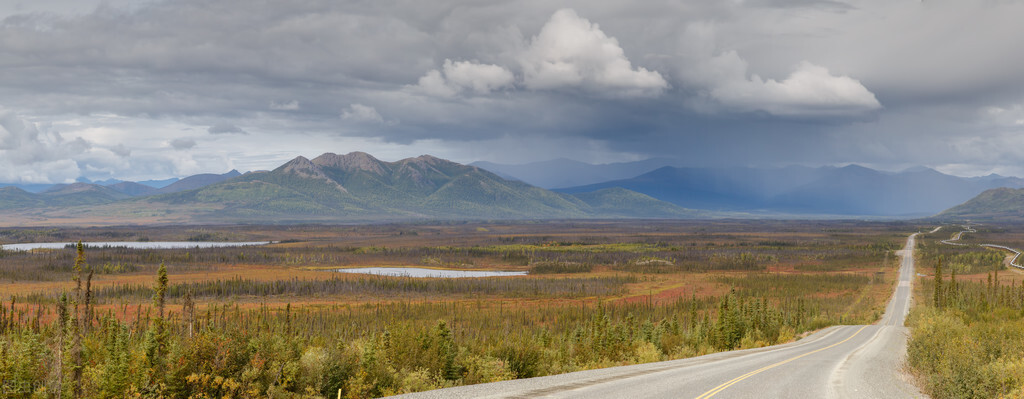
(837, 362)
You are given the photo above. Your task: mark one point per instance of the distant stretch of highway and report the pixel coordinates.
(837, 362)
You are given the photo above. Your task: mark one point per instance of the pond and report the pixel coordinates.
(420, 272)
(133, 245)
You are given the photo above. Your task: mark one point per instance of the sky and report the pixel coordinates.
(138, 90)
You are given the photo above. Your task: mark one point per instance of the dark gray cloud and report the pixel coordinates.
(745, 82)
(182, 143)
(225, 128)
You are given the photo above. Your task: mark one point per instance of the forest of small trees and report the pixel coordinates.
(967, 339)
(176, 347)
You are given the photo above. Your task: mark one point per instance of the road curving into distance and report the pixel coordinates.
(837, 362)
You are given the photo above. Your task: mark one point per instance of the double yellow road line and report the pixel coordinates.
(733, 381)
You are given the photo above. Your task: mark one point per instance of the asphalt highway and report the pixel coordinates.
(863, 361)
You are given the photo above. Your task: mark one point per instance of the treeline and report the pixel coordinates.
(365, 351)
(53, 265)
(377, 287)
(968, 340)
(962, 259)
(176, 348)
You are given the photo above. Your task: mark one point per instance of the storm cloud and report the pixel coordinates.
(152, 89)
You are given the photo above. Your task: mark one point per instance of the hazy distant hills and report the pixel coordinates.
(59, 196)
(998, 204)
(132, 188)
(196, 181)
(357, 187)
(559, 173)
(119, 185)
(850, 190)
(78, 194)
(857, 190)
(331, 187)
(81, 194)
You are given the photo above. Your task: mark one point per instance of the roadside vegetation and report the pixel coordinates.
(284, 328)
(967, 337)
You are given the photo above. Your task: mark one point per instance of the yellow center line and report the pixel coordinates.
(733, 381)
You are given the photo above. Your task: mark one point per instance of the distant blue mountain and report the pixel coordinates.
(130, 188)
(196, 181)
(159, 183)
(107, 182)
(30, 187)
(850, 190)
(563, 172)
(111, 182)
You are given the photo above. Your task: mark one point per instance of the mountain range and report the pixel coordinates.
(559, 173)
(849, 190)
(331, 187)
(130, 186)
(357, 187)
(63, 195)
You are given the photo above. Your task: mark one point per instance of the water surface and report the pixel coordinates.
(420, 272)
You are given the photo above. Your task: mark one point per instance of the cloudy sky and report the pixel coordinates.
(152, 89)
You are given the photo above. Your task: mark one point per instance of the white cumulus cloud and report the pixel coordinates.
(34, 153)
(572, 52)
(462, 76)
(811, 90)
(481, 78)
(726, 81)
(365, 114)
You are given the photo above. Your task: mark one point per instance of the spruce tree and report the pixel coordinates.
(937, 294)
(446, 351)
(87, 316)
(188, 310)
(156, 337)
(63, 322)
(78, 323)
(952, 293)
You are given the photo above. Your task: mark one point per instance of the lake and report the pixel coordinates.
(421, 272)
(133, 245)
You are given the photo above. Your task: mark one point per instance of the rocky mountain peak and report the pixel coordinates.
(351, 162)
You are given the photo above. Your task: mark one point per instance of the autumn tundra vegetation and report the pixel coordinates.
(277, 320)
(967, 330)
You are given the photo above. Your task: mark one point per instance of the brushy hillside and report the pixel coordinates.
(625, 203)
(196, 181)
(59, 196)
(15, 198)
(969, 341)
(998, 203)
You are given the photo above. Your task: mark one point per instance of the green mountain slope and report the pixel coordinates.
(16, 198)
(76, 194)
(357, 186)
(995, 204)
(631, 204)
(81, 194)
